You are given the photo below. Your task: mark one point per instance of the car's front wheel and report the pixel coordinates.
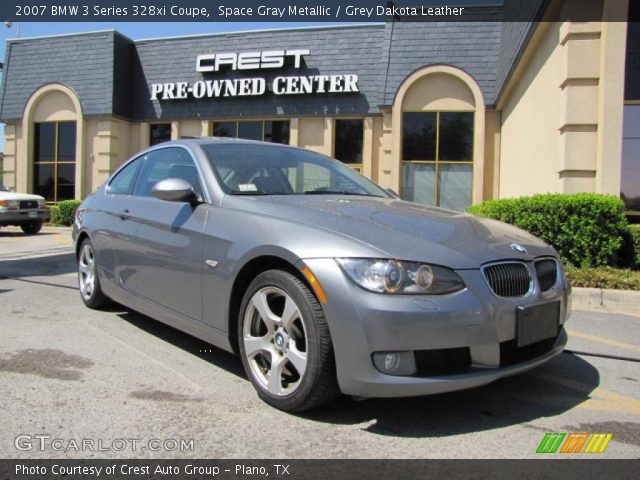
(285, 343)
(88, 281)
(31, 228)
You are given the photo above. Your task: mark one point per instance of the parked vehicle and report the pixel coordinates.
(321, 280)
(26, 211)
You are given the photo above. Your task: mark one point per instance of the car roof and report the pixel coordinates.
(201, 141)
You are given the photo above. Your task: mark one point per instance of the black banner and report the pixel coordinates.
(358, 11)
(316, 469)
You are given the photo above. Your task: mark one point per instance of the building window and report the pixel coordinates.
(54, 166)
(275, 131)
(632, 58)
(159, 132)
(630, 179)
(437, 158)
(348, 142)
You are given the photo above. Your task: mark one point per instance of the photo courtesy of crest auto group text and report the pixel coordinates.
(298, 239)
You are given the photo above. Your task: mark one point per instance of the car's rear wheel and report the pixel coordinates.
(88, 281)
(285, 343)
(31, 228)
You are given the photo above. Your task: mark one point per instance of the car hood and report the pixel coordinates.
(402, 230)
(19, 196)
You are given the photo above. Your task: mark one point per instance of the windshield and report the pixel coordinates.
(3, 189)
(247, 169)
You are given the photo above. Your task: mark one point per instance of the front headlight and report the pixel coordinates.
(394, 276)
(9, 204)
(42, 203)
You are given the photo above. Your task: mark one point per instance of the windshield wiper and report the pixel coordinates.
(260, 193)
(338, 192)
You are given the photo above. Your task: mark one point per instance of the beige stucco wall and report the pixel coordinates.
(492, 138)
(193, 128)
(9, 168)
(316, 134)
(108, 144)
(611, 98)
(531, 121)
(376, 147)
(562, 109)
(438, 91)
(54, 106)
(388, 165)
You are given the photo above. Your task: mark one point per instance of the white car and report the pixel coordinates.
(27, 211)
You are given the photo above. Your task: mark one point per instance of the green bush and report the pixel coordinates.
(633, 235)
(54, 211)
(604, 277)
(66, 210)
(629, 253)
(586, 229)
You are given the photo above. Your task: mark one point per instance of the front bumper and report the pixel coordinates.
(473, 320)
(19, 217)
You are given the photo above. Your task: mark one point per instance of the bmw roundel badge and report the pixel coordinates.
(518, 248)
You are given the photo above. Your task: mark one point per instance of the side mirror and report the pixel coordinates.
(173, 190)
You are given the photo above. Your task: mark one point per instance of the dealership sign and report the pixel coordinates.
(208, 63)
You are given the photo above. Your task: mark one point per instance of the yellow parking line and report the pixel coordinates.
(605, 341)
(599, 399)
(611, 402)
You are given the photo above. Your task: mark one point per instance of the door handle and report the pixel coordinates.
(124, 215)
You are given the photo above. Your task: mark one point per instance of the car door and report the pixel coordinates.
(167, 268)
(114, 235)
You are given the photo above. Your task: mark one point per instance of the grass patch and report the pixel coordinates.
(604, 277)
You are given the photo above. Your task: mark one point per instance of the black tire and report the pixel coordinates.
(31, 228)
(318, 384)
(93, 297)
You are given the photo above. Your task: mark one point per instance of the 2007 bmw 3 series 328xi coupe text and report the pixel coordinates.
(321, 280)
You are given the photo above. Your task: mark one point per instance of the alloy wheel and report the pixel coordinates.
(275, 341)
(86, 271)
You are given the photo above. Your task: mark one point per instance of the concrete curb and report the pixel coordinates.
(621, 301)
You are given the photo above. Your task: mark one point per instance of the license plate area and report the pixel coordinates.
(32, 214)
(537, 322)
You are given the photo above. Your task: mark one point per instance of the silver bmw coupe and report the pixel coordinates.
(323, 282)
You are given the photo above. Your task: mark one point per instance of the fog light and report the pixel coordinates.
(395, 363)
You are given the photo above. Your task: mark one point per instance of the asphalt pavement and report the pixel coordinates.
(77, 383)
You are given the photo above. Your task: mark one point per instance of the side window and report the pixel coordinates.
(166, 163)
(123, 181)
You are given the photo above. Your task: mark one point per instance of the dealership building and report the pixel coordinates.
(445, 113)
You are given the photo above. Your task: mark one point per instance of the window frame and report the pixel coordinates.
(119, 171)
(158, 124)
(356, 166)
(212, 127)
(627, 212)
(55, 162)
(436, 162)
